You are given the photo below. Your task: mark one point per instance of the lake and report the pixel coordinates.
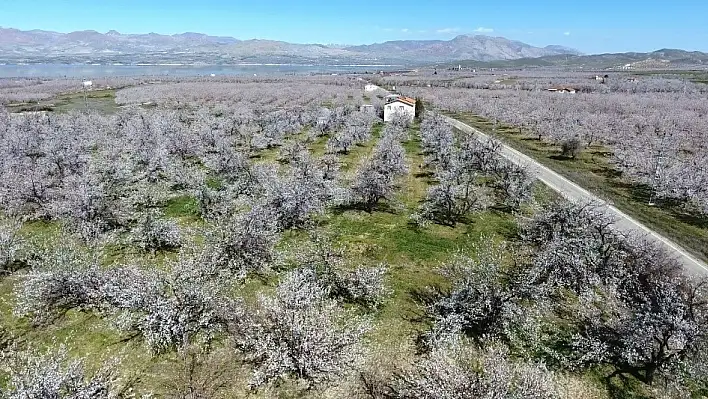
(98, 71)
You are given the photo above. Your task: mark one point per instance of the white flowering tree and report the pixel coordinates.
(456, 371)
(34, 374)
(300, 333)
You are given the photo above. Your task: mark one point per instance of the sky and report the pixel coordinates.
(591, 27)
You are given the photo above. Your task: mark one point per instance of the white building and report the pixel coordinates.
(562, 89)
(370, 87)
(400, 105)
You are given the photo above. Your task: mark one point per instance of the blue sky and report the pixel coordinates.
(592, 27)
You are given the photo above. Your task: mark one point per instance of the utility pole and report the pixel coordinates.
(496, 111)
(86, 84)
(657, 169)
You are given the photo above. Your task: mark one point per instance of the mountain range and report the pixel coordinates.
(478, 47)
(91, 46)
(660, 59)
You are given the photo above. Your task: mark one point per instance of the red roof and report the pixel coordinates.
(405, 100)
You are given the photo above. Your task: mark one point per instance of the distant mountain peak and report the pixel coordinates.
(462, 47)
(89, 44)
(190, 34)
(563, 49)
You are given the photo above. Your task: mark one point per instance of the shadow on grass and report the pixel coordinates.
(384, 207)
(426, 296)
(13, 267)
(563, 158)
(601, 153)
(610, 173)
(637, 192)
(127, 338)
(642, 193)
(424, 175)
(623, 387)
(700, 221)
(30, 108)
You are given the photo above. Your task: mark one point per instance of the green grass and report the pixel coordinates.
(594, 171)
(84, 334)
(40, 229)
(182, 207)
(412, 254)
(102, 101)
(692, 75)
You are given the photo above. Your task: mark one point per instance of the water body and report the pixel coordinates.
(98, 71)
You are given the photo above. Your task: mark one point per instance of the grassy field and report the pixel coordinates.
(593, 170)
(385, 236)
(693, 76)
(413, 254)
(103, 101)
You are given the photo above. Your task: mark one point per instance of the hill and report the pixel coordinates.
(477, 47)
(38, 46)
(660, 59)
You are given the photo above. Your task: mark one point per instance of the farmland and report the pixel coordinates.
(264, 237)
(637, 140)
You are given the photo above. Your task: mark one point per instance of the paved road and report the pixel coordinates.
(574, 192)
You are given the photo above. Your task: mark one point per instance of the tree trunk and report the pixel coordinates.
(649, 375)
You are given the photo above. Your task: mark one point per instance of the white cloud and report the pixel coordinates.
(482, 29)
(447, 30)
(566, 33)
(404, 30)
